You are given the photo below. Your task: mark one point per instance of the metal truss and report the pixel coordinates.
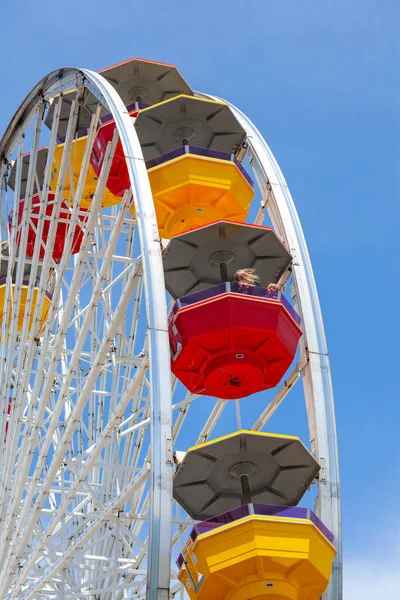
(89, 387)
(86, 464)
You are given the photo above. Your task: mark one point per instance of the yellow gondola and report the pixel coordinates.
(76, 159)
(21, 314)
(193, 190)
(259, 556)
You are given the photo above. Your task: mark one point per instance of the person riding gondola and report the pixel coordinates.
(248, 277)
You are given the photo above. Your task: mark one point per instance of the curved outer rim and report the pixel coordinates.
(158, 564)
(316, 372)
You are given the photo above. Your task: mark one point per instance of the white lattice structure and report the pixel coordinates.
(86, 465)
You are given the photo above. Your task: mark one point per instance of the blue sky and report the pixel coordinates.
(320, 80)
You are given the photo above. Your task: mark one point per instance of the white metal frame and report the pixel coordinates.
(157, 354)
(29, 496)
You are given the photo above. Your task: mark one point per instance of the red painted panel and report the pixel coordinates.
(61, 231)
(118, 179)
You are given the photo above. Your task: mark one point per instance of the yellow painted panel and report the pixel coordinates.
(21, 315)
(259, 557)
(76, 158)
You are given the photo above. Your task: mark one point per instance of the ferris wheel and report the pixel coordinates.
(138, 371)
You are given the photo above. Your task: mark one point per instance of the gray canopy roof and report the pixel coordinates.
(40, 168)
(243, 467)
(86, 110)
(136, 80)
(4, 249)
(211, 254)
(188, 121)
(139, 80)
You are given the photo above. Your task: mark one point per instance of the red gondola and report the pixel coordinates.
(118, 179)
(61, 231)
(231, 340)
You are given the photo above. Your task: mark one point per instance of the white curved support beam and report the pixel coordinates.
(316, 372)
(158, 570)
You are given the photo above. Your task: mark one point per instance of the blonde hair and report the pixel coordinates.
(246, 276)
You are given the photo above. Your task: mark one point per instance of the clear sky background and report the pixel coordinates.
(321, 81)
